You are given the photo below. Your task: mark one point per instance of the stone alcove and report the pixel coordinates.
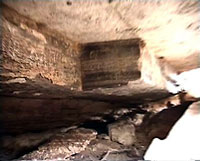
(62, 66)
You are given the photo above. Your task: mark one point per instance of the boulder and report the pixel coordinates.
(122, 132)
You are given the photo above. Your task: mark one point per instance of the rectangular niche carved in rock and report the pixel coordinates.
(109, 64)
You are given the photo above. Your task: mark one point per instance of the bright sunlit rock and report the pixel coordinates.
(183, 142)
(188, 81)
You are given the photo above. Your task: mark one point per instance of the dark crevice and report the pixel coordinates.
(101, 125)
(98, 125)
(69, 3)
(14, 152)
(30, 149)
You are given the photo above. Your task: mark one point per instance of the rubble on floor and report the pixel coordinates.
(124, 134)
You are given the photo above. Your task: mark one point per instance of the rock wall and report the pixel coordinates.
(31, 50)
(18, 115)
(110, 64)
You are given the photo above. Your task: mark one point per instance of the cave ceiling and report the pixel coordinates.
(169, 28)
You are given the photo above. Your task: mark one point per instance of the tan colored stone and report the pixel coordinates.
(122, 132)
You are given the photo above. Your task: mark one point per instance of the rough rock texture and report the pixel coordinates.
(67, 143)
(42, 74)
(64, 145)
(169, 28)
(110, 64)
(15, 146)
(47, 28)
(123, 132)
(146, 125)
(31, 50)
(57, 54)
(41, 114)
(158, 106)
(106, 150)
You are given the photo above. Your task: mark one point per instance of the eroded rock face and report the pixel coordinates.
(122, 132)
(105, 150)
(35, 58)
(15, 146)
(41, 76)
(43, 72)
(110, 64)
(43, 114)
(33, 51)
(64, 145)
(172, 33)
(130, 133)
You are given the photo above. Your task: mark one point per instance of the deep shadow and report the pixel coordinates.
(99, 125)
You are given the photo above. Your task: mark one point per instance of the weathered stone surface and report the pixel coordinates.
(106, 150)
(29, 51)
(110, 64)
(14, 146)
(162, 104)
(35, 26)
(42, 114)
(45, 45)
(136, 92)
(44, 105)
(172, 33)
(38, 145)
(33, 51)
(145, 129)
(64, 145)
(138, 119)
(123, 132)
